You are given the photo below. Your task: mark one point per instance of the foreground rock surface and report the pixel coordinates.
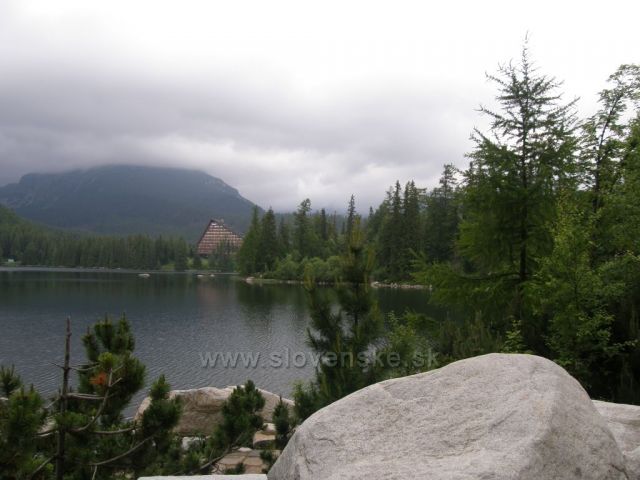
(492, 417)
(211, 477)
(202, 408)
(624, 423)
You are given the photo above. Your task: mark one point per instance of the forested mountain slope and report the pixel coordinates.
(125, 199)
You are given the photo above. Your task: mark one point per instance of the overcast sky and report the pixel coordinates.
(282, 100)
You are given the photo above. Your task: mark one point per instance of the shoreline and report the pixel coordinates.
(35, 268)
(375, 284)
(249, 280)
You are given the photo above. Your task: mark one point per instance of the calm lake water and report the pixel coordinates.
(176, 319)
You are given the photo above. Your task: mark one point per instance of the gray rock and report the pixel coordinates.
(188, 441)
(211, 477)
(262, 439)
(623, 421)
(251, 460)
(202, 408)
(633, 463)
(491, 417)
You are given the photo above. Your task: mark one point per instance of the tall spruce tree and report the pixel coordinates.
(181, 256)
(323, 226)
(284, 238)
(247, 255)
(411, 226)
(441, 218)
(305, 239)
(509, 205)
(268, 251)
(391, 231)
(351, 217)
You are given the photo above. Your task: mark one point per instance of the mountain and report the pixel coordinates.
(124, 199)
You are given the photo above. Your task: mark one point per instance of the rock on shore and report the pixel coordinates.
(495, 417)
(202, 408)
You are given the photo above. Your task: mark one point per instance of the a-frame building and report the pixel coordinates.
(216, 234)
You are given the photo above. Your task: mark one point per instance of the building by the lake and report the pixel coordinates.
(217, 234)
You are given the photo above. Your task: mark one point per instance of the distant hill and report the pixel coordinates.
(124, 199)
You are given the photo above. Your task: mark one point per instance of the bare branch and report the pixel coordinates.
(85, 396)
(41, 466)
(122, 455)
(114, 432)
(100, 408)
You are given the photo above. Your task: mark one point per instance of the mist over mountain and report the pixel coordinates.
(125, 199)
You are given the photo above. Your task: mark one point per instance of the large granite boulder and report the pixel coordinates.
(491, 417)
(202, 408)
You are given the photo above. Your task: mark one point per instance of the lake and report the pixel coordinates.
(178, 321)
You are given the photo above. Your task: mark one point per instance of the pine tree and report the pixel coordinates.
(267, 252)
(305, 240)
(85, 434)
(351, 217)
(391, 235)
(441, 218)
(240, 416)
(343, 338)
(284, 240)
(181, 256)
(322, 226)
(283, 424)
(22, 417)
(247, 255)
(411, 225)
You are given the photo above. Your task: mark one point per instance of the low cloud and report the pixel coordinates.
(277, 147)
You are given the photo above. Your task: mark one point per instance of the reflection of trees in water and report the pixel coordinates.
(399, 300)
(262, 298)
(213, 291)
(265, 297)
(17, 286)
